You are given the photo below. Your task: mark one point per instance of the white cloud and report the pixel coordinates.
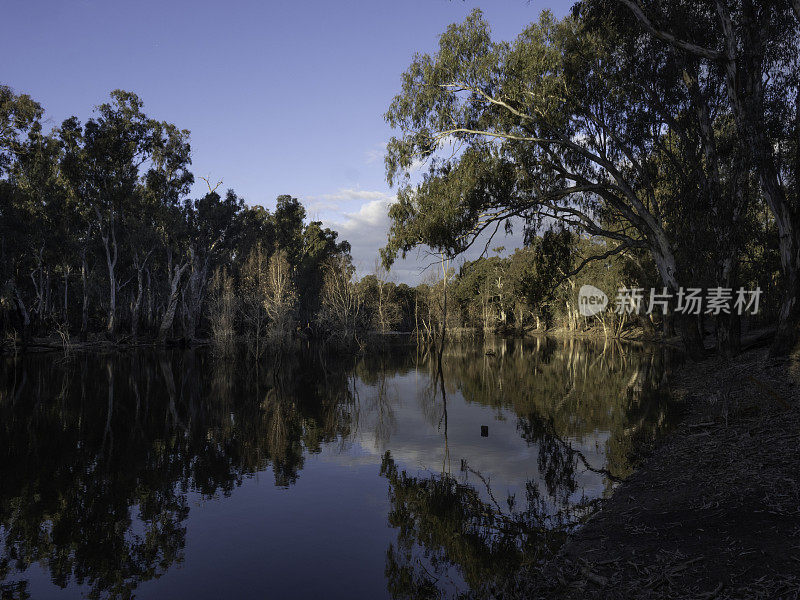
(356, 194)
(338, 204)
(376, 154)
(374, 213)
(362, 218)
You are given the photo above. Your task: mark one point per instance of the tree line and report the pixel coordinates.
(98, 237)
(641, 146)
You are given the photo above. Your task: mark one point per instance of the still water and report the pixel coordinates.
(175, 475)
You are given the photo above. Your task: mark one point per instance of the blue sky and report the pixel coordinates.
(280, 97)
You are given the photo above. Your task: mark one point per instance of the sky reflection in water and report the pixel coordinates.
(171, 474)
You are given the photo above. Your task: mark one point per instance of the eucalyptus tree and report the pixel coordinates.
(475, 291)
(521, 264)
(341, 315)
(77, 185)
(754, 46)
(141, 237)
(380, 301)
(166, 183)
(253, 292)
(280, 301)
(41, 198)
(223, 306)
(386, 309)
(288, 218)
(126, 173)
(560, 124)
(19, 115)
(318, 245)
(177, 243)
(212, 227)
(256, 226)
(105, 172)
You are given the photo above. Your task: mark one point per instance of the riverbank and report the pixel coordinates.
(713, 512)
(101, 343)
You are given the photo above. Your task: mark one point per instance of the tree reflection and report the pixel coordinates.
(99, 454)
(82, 494)
(453, 529)
(449, 530)
(565, 391)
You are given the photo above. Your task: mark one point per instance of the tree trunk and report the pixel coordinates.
(85, 283)
(729, 326)
(691, 338)
(66, 295)
(416, 316)
(110, 246)
(729, 334)
(172, 303)
(47, 305)
(444, 312)
(195, 289)
(137, 304)
(149, 319)
(26, 319)
(785, 340)
(669, 324)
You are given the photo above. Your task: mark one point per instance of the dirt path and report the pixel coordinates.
(714, 512)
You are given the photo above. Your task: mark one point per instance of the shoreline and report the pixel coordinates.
(55, 344)
(712, 511)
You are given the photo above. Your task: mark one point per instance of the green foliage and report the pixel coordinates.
(96, 225)
(537, 283)
(615, 132)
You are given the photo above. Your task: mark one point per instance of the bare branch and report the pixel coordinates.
(211, 189)
(669, 37)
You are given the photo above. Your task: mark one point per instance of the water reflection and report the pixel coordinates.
(106, 461)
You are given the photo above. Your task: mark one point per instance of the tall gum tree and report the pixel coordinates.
(116, 143)
(166, 182)
(755, 46)
(556, 125)
(19, 115)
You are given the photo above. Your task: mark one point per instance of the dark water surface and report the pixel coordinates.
(174, 475)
